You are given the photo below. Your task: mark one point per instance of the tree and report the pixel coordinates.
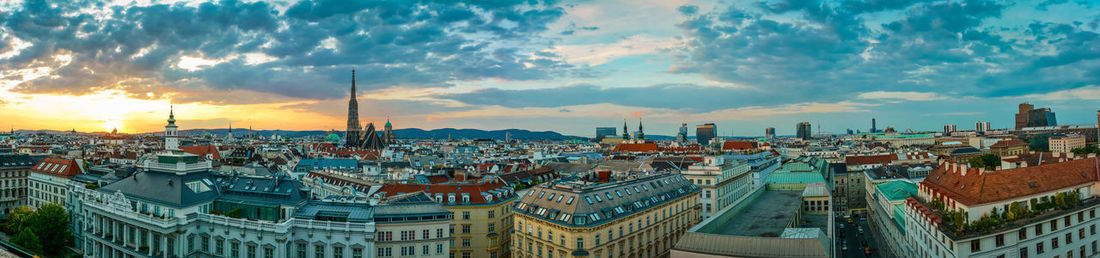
(28, 241)
(1086, 150)
(987, 161)
(18, 219)
(51, 222)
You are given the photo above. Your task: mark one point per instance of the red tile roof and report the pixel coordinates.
(1008, 143)
(473, 190)
(883, 159)
(202, 150)
(737, 145)
(58, 167)
(977, 187)
(636, 147)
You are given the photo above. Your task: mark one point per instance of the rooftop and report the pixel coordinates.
(767, 216)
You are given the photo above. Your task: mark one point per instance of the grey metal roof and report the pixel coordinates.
(577, 203)
(418, 203)
(266, 190)
(351, 212)
(8, 161)
(164, 188)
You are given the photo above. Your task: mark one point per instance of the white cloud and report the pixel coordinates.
(596, 54)
(1091, 92)
(901, 95)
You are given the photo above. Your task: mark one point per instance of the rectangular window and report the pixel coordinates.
(975, 245)
(1000, 240)
(1023, 252)
(251, 251)
(580, 243)
(357, 252)
(492, 214)
(465, 215)
(319, 251)
(1022, 235)
(466, 228)
(1054, 243)
(1039, 248)
(270, 252)
(466, 242)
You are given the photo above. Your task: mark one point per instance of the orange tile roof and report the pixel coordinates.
(977, 187)
(473, 190)
(883, 159)
(202, 150)
(636, 147)
(737, 145)
(58, 167)
(1008, 143)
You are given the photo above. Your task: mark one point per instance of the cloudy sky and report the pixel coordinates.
(566, 66)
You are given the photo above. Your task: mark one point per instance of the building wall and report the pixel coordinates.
(649, 233)
(1066, 144)
(924, 239)
(390, 240)
(487, 236)
(114, 231)
(13, 187)
(45, 189)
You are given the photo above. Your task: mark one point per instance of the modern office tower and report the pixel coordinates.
(1029, 116)
(769, 132)
(948, 129)
(981, 127)
(803, 131)
(682, 135)
(705, 132)
(602, 132)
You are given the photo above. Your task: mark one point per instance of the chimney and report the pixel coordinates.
(981, 171)
(963, 169)
(951, 167)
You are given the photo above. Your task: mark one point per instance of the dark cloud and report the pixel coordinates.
(391, 43)
(832, 50)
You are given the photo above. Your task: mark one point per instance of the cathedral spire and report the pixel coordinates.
(626, 131)
(353, 136)
(171, 115)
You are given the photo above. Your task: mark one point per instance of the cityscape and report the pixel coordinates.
(491, 129)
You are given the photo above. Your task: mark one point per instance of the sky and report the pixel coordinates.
(565, 66)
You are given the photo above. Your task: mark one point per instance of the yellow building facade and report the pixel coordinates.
(642, 217)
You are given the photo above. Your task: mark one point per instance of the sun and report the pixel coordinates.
(111, 124)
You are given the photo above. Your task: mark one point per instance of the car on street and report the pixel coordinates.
(860, 230)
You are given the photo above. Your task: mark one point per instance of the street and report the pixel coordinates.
(854, 239)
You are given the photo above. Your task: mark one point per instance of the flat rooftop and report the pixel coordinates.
(767, 216)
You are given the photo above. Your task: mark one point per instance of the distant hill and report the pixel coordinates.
(444, 133)
(405, 133)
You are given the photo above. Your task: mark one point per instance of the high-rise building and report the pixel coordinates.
(642, 217)
(1029, 116)
(354, 128)
(603, 132)
(682, 135)
(948, 129)
(873, 128)
(705, 132)
(769, 132)
(981, 127)
(803, 131)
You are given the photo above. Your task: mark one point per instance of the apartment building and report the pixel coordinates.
(722, 182)
(640, 217)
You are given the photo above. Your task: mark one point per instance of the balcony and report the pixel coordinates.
(1002, 222)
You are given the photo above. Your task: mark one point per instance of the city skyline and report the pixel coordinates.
(565, 67)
